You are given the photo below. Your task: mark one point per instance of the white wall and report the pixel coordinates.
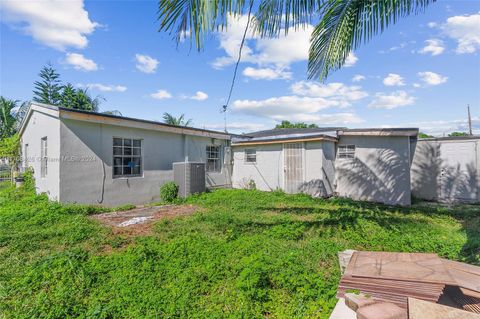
(41, 124)
(380, 171)
(447, 177)
(267, 172)
(89, 179)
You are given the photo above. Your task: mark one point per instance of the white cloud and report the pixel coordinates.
(199, 96)
(329, 119)
(393, 79)
(391, 101)
(145, 63)
(79, 62)
(432, 24)
(433, 47)
(104, 87)
(267, 73)
(281, 51)
(358, 78)
(465, 30)
(351, 60)
(161, 95)
(442, 127)
(55, 23)
(308, 99)
(238, 127)
(340, 93)
(432, 78)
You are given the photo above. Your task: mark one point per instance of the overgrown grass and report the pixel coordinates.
(246, 254)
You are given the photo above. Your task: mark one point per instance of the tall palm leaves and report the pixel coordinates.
(7, 117)
(341, 25)
(345, 25)
(84, 101)
(179, 121)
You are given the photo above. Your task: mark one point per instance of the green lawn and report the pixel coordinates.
(245, 254)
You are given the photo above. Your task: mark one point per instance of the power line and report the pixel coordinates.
(225, 106)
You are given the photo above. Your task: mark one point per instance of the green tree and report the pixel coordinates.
(48, 88)
(179, 121)
(342, 25)
(69, 96)
(7, 117)
(84, 101)
(453, 134)
(424, 135)
(288, 124)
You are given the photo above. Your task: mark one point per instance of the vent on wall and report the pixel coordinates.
(190, 177)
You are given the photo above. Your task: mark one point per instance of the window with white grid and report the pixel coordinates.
(250, 155)
(346, 151)
(214, 164)
(44, 157)
(127, 157)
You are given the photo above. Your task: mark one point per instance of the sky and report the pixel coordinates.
(421, 72)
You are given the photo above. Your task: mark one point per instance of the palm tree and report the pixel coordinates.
(84, 101)
(179, 121)
(343, 25)
(7, 117)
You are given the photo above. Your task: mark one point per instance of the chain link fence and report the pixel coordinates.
(5, 171)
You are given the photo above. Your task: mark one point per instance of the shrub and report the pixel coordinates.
(169, 192)
(29, 180)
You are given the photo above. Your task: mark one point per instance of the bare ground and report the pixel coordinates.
(138, 221)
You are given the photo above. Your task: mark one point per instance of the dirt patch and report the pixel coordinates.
(138, 222)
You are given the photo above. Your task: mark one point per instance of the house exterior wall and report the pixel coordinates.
(380, 171)
(447, 177)
(88, 177)
(268, 171)
(42, 124)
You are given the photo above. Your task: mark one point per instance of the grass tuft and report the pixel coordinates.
(244, 254)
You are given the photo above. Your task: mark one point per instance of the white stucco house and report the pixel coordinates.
(95, 158)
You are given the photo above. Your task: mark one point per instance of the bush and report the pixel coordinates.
(169, 192)
(29, 180)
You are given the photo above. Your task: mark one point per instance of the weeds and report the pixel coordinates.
(245, 254)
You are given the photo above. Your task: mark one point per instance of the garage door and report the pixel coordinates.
(458, 177)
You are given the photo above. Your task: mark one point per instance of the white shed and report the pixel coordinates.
(447, 169)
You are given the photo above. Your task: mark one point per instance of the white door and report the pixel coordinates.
(293, 167)
(458, 171)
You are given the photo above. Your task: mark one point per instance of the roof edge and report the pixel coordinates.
(102, 118)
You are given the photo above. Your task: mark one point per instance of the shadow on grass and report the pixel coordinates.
(349, 214)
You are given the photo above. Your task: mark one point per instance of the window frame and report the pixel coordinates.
(247, 156)
(44, 157)
(124, 156)
(26, 149)
(346, 151)
(217, 159)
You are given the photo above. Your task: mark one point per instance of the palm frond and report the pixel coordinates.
(198, 17)
(345, 25)
(273, 16)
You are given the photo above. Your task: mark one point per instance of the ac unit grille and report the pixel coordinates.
(190, 177)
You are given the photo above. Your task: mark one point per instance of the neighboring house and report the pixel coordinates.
(447, 169)
(94, 158)
(363, 164)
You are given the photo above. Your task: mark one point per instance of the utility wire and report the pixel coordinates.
(239, 58)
